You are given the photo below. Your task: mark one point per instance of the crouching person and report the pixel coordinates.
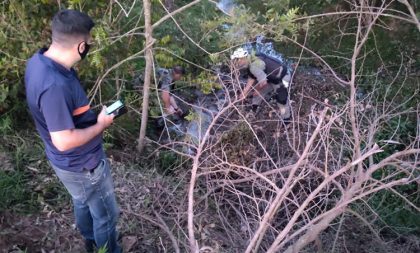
(166, 84)
(71, 131)
(265, 76)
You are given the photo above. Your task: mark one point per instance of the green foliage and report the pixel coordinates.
(241, 27)
(395, 212)
(18, 38)
(5, 125)
(167, 59)
(168, 161)
(399, 130)
(100, 38)
(287, 21)
(25, 176)
(335, 42)
(192, 116)
(177, 47)
(274, 19)
(264, 5)
(215, 58)
(12, 185)
(207, 82)
(103, 249)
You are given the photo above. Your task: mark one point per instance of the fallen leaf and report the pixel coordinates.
(128, 242)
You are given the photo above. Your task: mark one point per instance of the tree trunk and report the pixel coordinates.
(148, 72)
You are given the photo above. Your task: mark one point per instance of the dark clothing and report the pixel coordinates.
(165, 80)
(265, 67)
(281, 95)
(58, 102)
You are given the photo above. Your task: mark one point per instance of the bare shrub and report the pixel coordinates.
(275, 188)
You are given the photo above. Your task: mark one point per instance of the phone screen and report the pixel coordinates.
(115, 106)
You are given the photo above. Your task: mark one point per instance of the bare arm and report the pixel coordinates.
(166, 98)
(257, 68)
(248, 87)
(72, 138)
(173, 103)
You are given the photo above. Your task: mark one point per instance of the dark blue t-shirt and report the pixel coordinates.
(58, 102)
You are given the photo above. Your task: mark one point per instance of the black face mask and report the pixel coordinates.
(85, 52)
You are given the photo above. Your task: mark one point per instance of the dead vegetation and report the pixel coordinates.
(241, 172)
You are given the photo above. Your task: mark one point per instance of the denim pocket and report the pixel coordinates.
(74, 184)
(77, 190)
(98, 173)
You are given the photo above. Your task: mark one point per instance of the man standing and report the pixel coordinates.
(166, 79)
(71, 131)
(265, 75)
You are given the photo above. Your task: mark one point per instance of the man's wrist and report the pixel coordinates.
(100, 127)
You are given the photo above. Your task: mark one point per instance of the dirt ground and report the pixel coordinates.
(43, 232)
(53, 232)
(52, 229)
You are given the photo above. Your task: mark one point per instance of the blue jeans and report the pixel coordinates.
(95, 208)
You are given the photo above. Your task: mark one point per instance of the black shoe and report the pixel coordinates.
(90, 246)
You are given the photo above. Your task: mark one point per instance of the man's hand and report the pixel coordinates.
(179, 111)
(170, 110)
(262, 85)
(104, 119)
(247, 88)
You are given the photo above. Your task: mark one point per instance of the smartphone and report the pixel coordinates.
(117, 108)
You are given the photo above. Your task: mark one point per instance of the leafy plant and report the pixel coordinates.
(103, 249)
(6, 125)
(13, 189)
(395, 212)
(191, 116)
(207, 82)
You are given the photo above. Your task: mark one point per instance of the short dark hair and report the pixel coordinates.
(69, 25)
(178, 70)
